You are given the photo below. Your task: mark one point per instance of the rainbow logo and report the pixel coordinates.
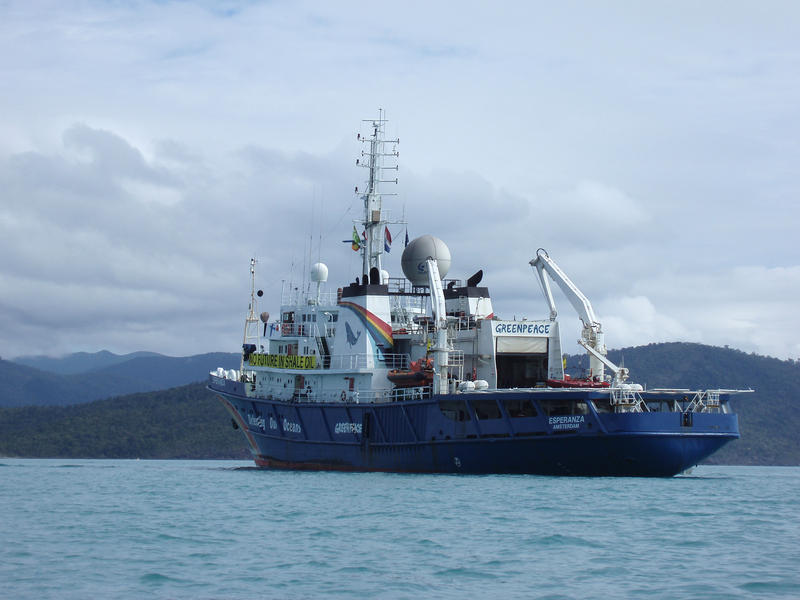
(380, 331)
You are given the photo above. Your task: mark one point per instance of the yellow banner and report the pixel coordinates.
(283, 361)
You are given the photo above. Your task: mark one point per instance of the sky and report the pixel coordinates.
(148, 150)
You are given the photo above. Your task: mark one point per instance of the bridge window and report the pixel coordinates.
(454, 410)
(603, 405)
(519, 407)
(563, 407)
(486, 409)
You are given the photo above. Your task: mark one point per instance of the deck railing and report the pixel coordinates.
(365, 396)
(368, 361)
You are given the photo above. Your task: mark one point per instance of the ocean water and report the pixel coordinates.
(221, 529)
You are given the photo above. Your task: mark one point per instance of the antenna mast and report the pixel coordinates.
(251, 322)
(373, 160)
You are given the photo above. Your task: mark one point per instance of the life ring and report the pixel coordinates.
(344, 395)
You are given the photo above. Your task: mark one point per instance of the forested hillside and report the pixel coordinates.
(184, 422)
(187, 422)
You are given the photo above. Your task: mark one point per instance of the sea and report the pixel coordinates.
(224, 529)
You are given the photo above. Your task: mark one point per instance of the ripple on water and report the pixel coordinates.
(190, 529)
(558, 539)
(772, 587)
(158, 579)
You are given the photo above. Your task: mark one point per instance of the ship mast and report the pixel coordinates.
(372, 159)
(251, 322)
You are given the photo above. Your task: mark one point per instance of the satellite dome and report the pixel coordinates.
(319, 272)
(418, 251)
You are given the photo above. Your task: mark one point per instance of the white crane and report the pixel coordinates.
(441, 347)
(592, 333)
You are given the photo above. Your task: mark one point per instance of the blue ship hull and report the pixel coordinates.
(429, 436)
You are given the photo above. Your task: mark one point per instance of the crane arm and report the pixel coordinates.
(592, 333)
(440, 349)
(543, 263)
(437, 294)
(620, 373)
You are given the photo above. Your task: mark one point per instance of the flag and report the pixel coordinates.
(356, 245)
(387, 241)
(406, 238)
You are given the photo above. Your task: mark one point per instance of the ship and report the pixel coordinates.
(418, 374)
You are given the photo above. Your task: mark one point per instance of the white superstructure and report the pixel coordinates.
(379, 339)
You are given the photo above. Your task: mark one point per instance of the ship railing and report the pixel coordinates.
(465, 322)
(349, 361)
(712, 399)
(363, 396)
(298, 297)
(390, 395)
(308, 329)
(401, 285)
(411, 314)
(368, 361)
(411, 393)
(704, 401)
(455, 363)
(628, 400)
(404, 310)
(456, 323)
(409, 327)
(684, 400)
(401, 362)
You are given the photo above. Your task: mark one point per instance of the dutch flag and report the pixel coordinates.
(387, 240)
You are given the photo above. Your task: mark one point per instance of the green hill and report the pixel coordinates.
(184, 422)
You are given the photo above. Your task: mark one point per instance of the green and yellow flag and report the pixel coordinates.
(356, 240)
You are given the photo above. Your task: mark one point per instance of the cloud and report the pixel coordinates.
(150, 149)
(628, 320)
(94, 260)
(749, 308)
(113, 157)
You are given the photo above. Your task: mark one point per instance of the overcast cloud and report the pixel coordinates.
(149, 149)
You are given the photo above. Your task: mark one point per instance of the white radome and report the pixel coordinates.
(319, 272)
(418, 251)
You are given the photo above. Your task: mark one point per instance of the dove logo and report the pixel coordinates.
(379, 331)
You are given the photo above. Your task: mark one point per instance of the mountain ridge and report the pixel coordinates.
(28, 386)
(78, 362)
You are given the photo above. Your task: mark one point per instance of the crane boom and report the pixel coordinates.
(441, 347)
(580, 303)
(592, 337)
